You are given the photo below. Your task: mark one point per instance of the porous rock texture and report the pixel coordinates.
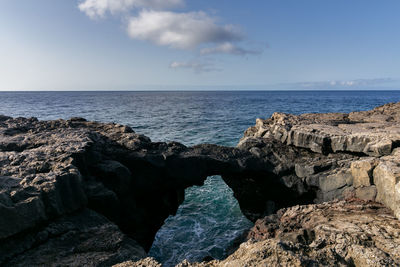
(337, 233)
(65, 184)
(74, 192)
(336, 155)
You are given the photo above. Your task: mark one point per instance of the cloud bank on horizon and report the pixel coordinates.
(154, 21)
(337, 84)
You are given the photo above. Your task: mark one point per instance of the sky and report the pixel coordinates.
(199, 45)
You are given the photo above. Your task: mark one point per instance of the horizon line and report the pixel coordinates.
(205, 90)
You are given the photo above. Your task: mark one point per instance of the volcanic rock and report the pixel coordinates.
(339, 233)
(334, 155)
(74, 192)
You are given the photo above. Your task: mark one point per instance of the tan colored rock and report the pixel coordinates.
(147, 262)
(387, 181)
(383, 146)
(362, 171)
(370, 132)
(304, 137)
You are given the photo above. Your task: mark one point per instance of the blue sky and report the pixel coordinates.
(207, 44)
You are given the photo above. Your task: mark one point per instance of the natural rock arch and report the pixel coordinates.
(67, 166)
(75, 180)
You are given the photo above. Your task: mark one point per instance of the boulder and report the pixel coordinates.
(362, 171)
(387, 181)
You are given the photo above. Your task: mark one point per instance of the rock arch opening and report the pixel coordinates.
(136, 184)
(206, 225)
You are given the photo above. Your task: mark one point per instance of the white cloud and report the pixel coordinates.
(180, 30)
(196, 66)
(153, 21)
(337, 84)
(228, 48)
(99, 8)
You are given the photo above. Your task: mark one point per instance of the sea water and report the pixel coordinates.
(209, 219)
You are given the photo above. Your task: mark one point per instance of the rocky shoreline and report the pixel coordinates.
(322, 189)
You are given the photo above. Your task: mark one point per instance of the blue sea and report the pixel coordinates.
(209, 219)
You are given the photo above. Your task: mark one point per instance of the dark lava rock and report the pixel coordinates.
(75, 192)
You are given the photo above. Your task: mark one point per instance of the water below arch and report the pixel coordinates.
(206, 224)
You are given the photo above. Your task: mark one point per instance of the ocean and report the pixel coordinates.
(209, 219)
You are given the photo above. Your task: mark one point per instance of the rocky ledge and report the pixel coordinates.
(337, 233)
(348, 155)
(74, 192)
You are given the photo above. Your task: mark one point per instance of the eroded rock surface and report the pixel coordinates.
(51, 170)
(375, 132)
(334, 155)
(84, 238)
(352, 233)
(87, 193)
